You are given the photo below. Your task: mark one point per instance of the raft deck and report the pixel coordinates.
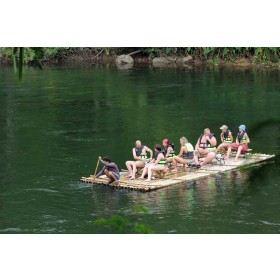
(181, 177)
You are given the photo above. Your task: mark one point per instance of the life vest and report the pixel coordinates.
(206, 145)
(241, 137)
(172, 152)
(139, 152)
(163, 160)
(189, 153)
(226, 137)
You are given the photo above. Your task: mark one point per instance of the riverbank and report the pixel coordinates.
(157, 57)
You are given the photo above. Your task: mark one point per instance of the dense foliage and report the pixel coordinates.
(257, 54)
(216, 55)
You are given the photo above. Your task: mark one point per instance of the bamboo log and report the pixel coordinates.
(180, 177)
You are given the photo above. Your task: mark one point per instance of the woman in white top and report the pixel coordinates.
(185, 155)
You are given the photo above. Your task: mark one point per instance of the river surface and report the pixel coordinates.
(55, 124)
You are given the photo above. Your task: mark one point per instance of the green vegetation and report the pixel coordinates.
(211, 55)
(120, 224)
(256, 54)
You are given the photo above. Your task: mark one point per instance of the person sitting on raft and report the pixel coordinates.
(110, 169)
(139, 153)
(185, 155)
(156, 164)
(241, 144)
(205, 147)
(226, 138)
(168, 150)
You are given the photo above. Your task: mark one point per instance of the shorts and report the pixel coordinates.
(188, 157)
(117, 175)
(204, 155)
(235, 146)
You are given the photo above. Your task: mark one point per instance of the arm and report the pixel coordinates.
(213, 140)
(100, 172)
(169, 149)
(107, 164)
(149, 151)
(222, 137)
(236, 140)
(160, 156)
(183, 148)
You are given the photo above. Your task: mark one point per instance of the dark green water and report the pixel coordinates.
(56, 123)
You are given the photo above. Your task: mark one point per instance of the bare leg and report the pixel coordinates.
(128, 165)
(209, 158)
(203, 152)
(226, 145)
(181, 160)
(107, 173)
(111, 174)
(175, 158)
(154, 168)
(135, 165)
(228, 153)
(132, 177)
(195, 157)
(169, 159)
(144, 171)
(221, 147)
(240, 148)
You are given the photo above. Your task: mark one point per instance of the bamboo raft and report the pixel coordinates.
(181, 177)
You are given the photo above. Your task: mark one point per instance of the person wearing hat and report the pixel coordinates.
(241, 144)
(226, 138)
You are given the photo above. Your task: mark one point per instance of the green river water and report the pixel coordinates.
(55, 124)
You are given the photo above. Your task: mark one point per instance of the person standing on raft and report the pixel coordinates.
(156, 164)
(241, 144)
(110, 169)
(205, 147)
(139, 153)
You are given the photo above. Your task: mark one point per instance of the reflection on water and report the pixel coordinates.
(54, 126)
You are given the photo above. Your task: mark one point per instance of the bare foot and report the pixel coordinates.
(128, 176)
(174, 170)
(235, 160)
(148, 180)
(132, 178)
(226, 158)
(141, 178)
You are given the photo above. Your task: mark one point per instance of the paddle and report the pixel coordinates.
(99, 158)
